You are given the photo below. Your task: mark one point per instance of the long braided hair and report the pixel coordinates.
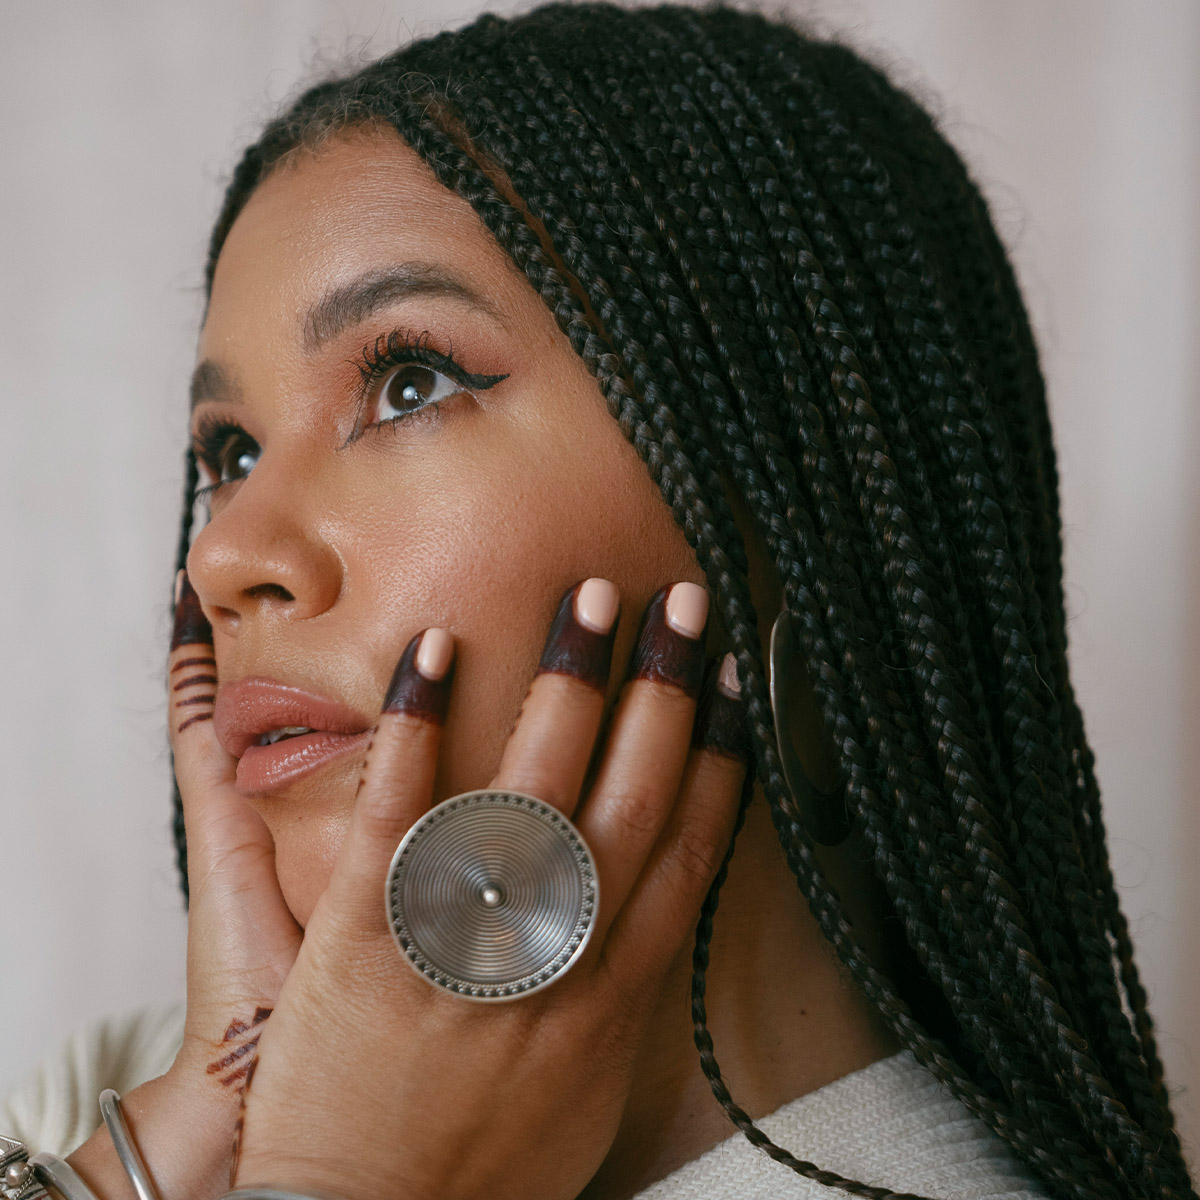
(781, 275)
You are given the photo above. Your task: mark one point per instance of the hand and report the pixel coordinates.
(371, 1081)
(242, 938)
(242, 942)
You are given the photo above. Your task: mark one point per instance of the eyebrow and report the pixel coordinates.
(361, 298)
(349, 305)
(210, 381)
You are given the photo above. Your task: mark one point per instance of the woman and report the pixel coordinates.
(432, 288)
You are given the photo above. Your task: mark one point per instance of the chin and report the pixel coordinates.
(306, 848)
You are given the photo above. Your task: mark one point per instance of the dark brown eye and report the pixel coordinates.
(411, 387)
(236, 457)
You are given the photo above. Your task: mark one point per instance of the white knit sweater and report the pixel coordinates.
(891, 1124)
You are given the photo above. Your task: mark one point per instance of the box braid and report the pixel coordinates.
(783, 279)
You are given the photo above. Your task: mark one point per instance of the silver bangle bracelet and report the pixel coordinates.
(127, 1152)
(60, 1175)
(265, 1193)
(22, 1177)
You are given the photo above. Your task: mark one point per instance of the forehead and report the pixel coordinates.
(357, 204)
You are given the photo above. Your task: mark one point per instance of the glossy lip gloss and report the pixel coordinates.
(248, 709)
(266, 769)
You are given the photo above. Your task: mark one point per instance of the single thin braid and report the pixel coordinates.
(782, 277)
(191, 477)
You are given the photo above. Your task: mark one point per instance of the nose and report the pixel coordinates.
(258, 557)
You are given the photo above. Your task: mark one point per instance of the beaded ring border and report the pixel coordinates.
(492, 895)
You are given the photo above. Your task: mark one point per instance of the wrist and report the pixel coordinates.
(183, 1131)
(320, 1177)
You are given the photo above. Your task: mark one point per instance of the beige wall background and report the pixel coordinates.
(120, 122)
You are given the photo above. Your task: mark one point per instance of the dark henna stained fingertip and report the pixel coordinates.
(665, 655)
(191, 625)
(411, 692)
(575, 650)
(721, 715)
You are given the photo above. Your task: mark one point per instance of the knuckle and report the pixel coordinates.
(639, 808)
(695, 853)
(380, 821)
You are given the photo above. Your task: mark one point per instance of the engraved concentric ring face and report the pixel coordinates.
(492, 895)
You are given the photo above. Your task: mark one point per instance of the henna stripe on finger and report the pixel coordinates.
(183, 663)
(194, 700)
(194, 720)
(195, 679)
(366, 767)
(670, 646)
(580, 642)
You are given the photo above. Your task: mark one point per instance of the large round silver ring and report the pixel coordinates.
(492, 895)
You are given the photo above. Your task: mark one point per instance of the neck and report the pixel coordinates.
(784, 1015)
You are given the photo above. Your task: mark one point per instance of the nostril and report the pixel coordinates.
(269, 591)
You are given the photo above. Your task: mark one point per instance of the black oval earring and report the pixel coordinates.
(823, 813)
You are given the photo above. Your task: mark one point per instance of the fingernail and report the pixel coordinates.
(670, 648)
(191, 625)
(580, 641)
(421, 682)
(720, 714)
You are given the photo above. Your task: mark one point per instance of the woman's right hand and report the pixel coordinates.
(242, 942)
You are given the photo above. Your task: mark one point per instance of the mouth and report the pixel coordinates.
(280, 734)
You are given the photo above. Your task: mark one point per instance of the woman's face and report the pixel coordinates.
(343, 527)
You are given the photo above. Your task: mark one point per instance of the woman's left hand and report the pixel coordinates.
(370, 1081)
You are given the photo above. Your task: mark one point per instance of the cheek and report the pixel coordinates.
(484, 543)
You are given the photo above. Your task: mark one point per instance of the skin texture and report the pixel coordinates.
(321, 565)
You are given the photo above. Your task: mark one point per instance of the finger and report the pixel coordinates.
(548, 752)
(397, 781)
(200, 761)
(662, 907)
(648, 740)
(230, 850)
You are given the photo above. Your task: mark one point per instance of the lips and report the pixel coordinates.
(280, 733)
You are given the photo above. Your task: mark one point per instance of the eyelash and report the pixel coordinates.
(375, 362)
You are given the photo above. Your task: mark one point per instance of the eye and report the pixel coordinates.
(227, 451)
(411, 387)
(403, 376)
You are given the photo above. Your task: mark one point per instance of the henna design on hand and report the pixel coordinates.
(193, 662)
(242, 1046)
(236, 1069)
(183, 683)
